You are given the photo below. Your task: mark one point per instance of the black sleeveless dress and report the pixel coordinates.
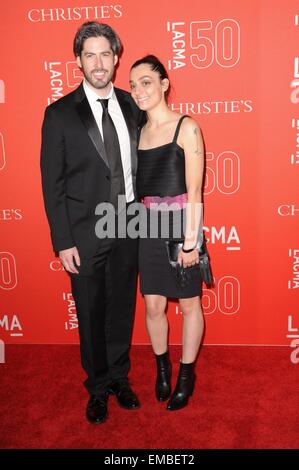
(161, 179)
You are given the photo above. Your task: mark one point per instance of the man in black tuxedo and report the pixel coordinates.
(88, 156)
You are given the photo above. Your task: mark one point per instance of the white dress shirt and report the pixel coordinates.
(121, 129)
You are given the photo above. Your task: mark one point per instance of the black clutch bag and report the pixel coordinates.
(182, 274)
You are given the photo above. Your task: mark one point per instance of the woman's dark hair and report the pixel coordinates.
(156, 65)
(92, 29)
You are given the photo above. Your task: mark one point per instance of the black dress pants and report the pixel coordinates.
(105, 293)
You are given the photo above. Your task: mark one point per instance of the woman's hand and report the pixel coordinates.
(188, 259)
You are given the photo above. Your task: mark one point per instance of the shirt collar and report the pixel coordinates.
(93, 97)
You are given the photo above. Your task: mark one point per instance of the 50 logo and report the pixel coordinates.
(222, 173)
(8, 271)
(226, 297)
(214, 43)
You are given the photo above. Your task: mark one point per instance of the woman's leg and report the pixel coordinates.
(156, 322)
(157, 326)
(193, 326)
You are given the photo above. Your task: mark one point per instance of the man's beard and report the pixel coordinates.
(99, 83)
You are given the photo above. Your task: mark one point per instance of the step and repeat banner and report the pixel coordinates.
(234, 67)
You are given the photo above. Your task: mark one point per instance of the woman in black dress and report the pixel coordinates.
(170, 170)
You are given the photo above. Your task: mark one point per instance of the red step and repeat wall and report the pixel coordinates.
(234, 67)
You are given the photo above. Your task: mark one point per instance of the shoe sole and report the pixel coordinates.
(176, 409)
(97, 422)
(160, 400)
(127, 408)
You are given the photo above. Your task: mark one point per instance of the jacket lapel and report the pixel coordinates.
(89, 122)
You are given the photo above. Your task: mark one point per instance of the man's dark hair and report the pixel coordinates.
(92, 29)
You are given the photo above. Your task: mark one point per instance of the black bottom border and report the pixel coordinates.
(135, 458)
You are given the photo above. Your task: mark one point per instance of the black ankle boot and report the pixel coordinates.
(184, 387)
(163, 376)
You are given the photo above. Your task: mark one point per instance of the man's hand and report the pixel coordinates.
(67, 259)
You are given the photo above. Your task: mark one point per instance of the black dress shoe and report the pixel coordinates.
(96, 410)
(125, 395)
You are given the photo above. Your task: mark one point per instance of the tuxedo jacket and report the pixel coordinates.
(75, 170)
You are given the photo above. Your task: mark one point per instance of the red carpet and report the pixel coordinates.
(246, 397)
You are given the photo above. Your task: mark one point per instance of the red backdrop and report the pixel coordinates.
(234, 68)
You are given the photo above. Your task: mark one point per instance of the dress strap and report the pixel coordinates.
(176, 134)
